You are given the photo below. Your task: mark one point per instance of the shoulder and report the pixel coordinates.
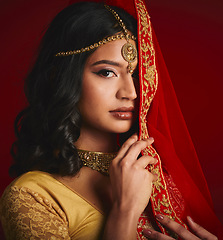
(36, 183)
(41, 185)
(32, 183)
(34, 180)
(25, 213)
(39, 192)
(31, 190)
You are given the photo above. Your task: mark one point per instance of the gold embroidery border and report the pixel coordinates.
(149, 83)
(148, 74)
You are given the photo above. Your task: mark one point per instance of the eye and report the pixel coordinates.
(106, 73)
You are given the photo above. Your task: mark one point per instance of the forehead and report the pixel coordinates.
(111, 51)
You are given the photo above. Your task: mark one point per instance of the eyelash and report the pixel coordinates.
(103, 73)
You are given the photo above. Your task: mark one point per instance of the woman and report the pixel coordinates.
(83, 91)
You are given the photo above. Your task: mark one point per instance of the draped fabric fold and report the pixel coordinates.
(175, 148)
(160, 117)
(178, 167)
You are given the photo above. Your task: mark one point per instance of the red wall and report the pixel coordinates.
(190, 35)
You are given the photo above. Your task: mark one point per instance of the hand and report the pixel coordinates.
(198, 231)
(131, 182)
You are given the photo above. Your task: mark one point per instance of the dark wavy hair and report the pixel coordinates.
(48, 127)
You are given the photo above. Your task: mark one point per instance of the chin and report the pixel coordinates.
(122, 129)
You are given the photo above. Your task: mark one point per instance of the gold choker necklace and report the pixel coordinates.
(98, 161)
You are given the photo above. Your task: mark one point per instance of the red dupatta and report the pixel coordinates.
(160, 117)
(165, 123)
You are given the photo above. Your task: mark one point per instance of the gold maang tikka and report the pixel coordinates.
(129, 52)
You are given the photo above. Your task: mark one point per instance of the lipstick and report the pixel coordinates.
(123, 113)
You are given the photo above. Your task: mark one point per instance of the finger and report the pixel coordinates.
(176, 227)
(151, 234)
(143, 161)
(125, 147)
(135, 150)
(200, 231)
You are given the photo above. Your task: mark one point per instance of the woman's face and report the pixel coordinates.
(108, 98)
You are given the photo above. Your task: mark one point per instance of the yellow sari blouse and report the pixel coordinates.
(37, 206)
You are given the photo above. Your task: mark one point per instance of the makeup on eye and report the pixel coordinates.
(106, 73)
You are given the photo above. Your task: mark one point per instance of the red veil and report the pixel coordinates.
(179, 171)
(178, 168)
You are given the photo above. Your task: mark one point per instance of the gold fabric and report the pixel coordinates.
(37, 206)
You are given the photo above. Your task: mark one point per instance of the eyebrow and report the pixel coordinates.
(106, 62)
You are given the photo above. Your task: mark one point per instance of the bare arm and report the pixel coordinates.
(131, 189)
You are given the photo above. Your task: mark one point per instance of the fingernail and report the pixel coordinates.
(159, 217)
(190, 219)
(146, 232)
(151, 139)
(135, 135)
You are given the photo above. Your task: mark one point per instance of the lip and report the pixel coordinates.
(123, 113)
(123, 109)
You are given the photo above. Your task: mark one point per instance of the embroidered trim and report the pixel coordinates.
(149, 75)
(160, 199)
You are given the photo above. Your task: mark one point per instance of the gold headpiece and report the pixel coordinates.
(129, 52)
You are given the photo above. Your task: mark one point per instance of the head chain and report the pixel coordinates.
(129, 52)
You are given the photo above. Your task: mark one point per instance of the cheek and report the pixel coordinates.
(97, 93)
(94, 99)
(90, 96)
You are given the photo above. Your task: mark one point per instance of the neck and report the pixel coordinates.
(97, 141)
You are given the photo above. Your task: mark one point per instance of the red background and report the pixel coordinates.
(190, 36)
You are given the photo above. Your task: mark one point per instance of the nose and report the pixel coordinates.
(127, 89)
